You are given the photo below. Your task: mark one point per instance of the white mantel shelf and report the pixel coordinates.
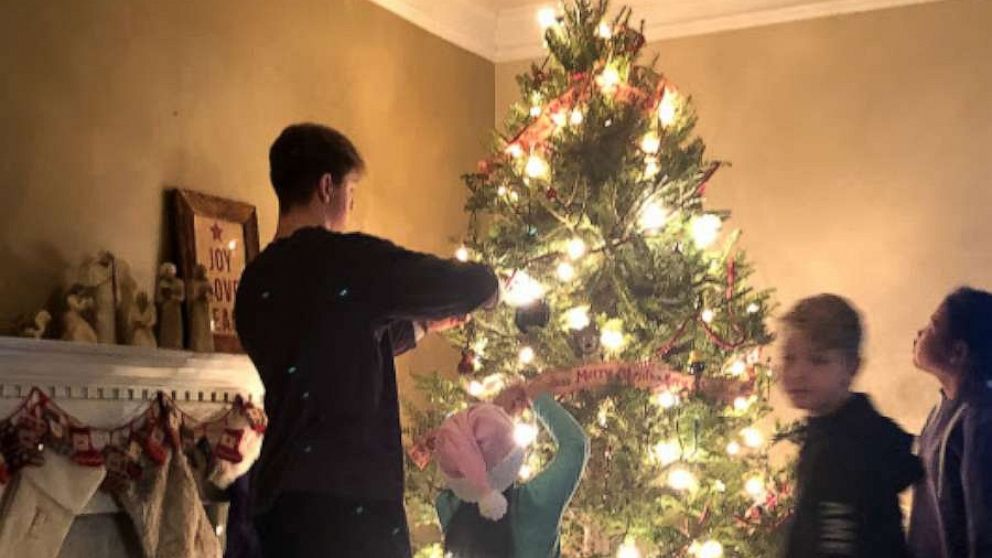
(83, 372)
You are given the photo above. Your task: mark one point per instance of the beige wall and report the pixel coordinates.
(106, 103)
(860, 148)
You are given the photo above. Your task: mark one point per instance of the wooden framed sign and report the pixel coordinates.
(221, 235)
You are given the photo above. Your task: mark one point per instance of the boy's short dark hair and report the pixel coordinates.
(302, 154)
(831, 323)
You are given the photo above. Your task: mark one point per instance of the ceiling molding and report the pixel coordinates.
(508, 34)
(469, 24)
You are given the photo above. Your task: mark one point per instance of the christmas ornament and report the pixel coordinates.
(467, 364)
(551, 194)
(585, 341)
(535, 315)
(696, 366)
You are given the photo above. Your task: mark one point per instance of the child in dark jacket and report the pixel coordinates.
(854, 462)
(952, 506)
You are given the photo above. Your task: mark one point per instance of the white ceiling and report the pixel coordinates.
(504, 30)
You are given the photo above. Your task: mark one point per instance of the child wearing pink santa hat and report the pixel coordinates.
(484, 513)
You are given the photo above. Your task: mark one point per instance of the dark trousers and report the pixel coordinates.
(309, 525)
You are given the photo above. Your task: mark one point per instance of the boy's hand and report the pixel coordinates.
(435, 326)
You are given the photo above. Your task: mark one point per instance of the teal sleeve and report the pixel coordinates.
(554, 486)
(446, 503)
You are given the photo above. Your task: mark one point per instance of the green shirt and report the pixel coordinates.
(537, 506)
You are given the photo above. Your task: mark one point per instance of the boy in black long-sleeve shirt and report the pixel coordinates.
(321, 314)
(854, 462)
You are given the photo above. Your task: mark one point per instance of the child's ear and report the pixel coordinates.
(958, 355)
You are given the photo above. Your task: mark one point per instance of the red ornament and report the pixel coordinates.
(467, 365)
(552, 194)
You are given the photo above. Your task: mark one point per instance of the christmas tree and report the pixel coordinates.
(591, 209)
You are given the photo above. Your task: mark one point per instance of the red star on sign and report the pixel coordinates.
(216, 230)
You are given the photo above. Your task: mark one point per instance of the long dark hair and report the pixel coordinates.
(969, 318)
(469, 535)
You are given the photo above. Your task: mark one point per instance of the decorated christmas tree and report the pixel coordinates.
(591, 209)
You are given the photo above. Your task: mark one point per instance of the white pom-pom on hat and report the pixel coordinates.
(493, 506)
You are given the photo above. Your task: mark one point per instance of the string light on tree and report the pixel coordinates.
(536, 167)
(707, 315)
(524, 434)
(475, 388)
(577, 318)
(461, 254)
(668, 108)
(576, 117)
(523, 290)
(667, 399)
(733, 448)
(705, 229)
(738, 368)
(608, 80)
(653, 217)
(755, 488)
(576, 248)
(681, 479)
(525, 472)
(527, 355)
(742, 403)
(547, 17)
(651, 167)
(650, 143)
(668, 452)
(612, 335)
(708, 549)
(628, 550)
(753, 308)
(603, 30)
(565, 271)
(752, 437)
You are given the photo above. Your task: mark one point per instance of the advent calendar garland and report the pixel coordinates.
(129, 449)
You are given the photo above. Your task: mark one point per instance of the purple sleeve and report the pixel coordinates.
(976, 478)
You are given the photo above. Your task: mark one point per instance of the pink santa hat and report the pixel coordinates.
(478, 457)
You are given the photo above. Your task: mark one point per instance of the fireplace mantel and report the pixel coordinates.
(107, 385)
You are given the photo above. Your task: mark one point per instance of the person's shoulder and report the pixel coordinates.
(976, 415)
(317, 239)
(880, 430)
